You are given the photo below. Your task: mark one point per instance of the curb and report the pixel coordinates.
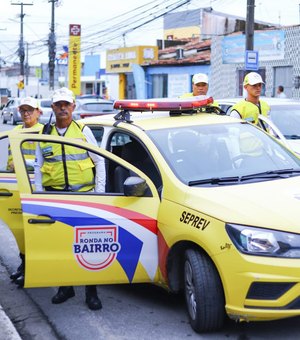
(8, 330)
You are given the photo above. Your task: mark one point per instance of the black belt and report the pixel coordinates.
(54, 189)
(63, 190)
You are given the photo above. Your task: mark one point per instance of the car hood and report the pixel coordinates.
(272, 204)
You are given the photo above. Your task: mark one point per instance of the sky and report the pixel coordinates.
(113, 23)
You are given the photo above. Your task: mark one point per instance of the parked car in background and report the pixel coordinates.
(285, 114)
(10, 113)
(5, 94)
(89, 96)
(45, 106)
(93, 107)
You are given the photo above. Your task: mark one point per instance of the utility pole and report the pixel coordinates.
(26, 65)
(52, 47)
(250, 25)
(21, 50)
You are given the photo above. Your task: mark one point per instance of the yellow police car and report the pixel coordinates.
(195, 202)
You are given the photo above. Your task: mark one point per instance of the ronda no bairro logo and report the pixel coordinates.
(96, 248)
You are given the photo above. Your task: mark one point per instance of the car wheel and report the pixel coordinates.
(13, 121)
(3, 120)
(203, 292)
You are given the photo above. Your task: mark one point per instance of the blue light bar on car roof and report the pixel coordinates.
(163, 104)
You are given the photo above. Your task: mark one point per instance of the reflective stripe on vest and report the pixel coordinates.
(28, 148)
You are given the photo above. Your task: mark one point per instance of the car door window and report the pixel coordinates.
(98, 132)
(4, 144)
(80, 160)
(133, 151)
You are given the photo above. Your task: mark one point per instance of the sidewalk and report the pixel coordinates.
(8, 331)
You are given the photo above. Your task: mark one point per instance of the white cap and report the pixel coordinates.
(200, 78)
(253, 78)
(30, 102)
(63, 94)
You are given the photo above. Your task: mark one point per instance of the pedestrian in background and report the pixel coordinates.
(30, 114)
(250, 107)
(55, 171)
(280, 92)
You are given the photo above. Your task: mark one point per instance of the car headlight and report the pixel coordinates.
(264, 242)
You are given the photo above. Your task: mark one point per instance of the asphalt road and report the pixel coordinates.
(141, 311)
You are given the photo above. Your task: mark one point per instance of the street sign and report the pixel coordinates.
(38, 72)
(251, 60)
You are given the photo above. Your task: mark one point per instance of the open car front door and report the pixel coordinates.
(76, 238)
(11, 211)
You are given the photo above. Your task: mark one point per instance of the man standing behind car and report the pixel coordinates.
(55, 171)
(199, 86)
(250, 107)
(30, 114)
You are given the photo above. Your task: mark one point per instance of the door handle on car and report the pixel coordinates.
(37, 221)
(2, 193)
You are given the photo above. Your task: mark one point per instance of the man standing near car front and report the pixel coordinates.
(52, 171)
(250, 107)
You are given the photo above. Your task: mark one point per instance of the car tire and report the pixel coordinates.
(12, 120)
(3, 120)
(203, 292)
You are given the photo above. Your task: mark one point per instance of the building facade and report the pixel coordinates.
(278, 62)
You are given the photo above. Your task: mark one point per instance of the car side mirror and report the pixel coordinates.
(135, 186)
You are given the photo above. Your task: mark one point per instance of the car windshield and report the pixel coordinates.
(287, 119)
(97, 107)
(224, 154)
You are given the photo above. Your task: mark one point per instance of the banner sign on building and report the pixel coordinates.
(74, 58)
(139, 81)
(120, 60)
(269, 44)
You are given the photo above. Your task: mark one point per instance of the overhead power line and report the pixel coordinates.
(129, 25)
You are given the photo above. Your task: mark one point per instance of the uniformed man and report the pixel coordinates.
(61, 175)
(250, 107)
(199, 86)
(30, 113)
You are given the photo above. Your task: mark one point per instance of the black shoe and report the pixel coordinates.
(20, 281)
(63, 294)
(17, 273)
(20, 269)
(91, 298)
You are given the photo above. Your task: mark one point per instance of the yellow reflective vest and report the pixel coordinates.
(28, 148)
(250, 111)
(67, 167)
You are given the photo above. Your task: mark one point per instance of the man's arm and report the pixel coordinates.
(100, 178)
(235, 114)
